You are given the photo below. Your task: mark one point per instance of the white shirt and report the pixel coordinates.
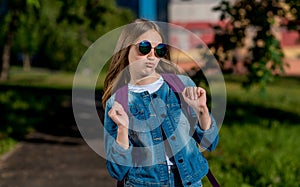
(151, 88)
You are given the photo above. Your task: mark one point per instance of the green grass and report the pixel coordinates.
(44, 78)
(282, 94)
(260, 136)
(253, 155)
(6, 144)
(38, 77)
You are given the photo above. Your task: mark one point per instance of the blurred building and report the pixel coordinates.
(156, 10)
(197, 16)
(193, 11)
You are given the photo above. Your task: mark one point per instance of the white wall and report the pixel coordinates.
(193, 10)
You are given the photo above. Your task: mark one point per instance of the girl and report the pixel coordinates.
(153, 140)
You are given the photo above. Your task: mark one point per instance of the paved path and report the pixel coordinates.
(60, 157)
(53, 161)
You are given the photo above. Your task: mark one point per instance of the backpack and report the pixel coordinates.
(177, 86)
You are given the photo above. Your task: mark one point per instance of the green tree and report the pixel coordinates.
(292, 9)
(251, 27)
(9, 24)
(77, 25)
(27, 38)
(58, 31)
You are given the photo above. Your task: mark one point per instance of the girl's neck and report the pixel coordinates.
(145, 80)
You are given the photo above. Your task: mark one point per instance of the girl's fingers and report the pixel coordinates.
(112, 113)
(193, 93)
(116, 111)
(200, 91)
(188, 92)
(117, 106)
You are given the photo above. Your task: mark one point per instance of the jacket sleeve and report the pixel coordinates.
(118, 159)
(207, 139)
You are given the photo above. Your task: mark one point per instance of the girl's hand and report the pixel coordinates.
(118, 115)
(196, 98)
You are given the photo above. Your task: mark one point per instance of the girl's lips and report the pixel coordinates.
(150, 64)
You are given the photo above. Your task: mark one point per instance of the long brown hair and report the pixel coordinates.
(118, 74)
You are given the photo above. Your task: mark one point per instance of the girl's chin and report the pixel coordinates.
(147, 71)
(147, 74)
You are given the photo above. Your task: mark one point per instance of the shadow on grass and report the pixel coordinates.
(238, 112)
(42, 109)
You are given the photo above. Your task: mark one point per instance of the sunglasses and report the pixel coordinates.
(145, 48)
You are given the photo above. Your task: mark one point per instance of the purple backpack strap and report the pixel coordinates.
(176, 85)
(174, 82)
(212, 179)
(122, 97)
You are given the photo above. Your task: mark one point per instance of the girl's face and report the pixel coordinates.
(140, 65)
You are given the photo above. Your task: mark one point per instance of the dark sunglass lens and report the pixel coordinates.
(145, 47)
(161, 50)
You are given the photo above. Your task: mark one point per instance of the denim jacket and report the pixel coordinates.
(157, 121)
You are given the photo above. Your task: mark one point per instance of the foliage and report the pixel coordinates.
(75, 26)
(293, 14)
(55, 34)
(72, 26)
(26, 40)
(13, 12)
(249, 38)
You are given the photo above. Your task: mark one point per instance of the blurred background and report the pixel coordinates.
(256, 44)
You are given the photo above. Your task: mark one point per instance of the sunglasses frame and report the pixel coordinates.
(160, 50)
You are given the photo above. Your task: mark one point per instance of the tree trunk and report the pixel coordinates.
(8, 46)
(26, 62)
(6, 58)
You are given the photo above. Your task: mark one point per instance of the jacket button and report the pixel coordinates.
(154, 95)
(163, 115)
(180, 160)
(173, 137)
(188, 183)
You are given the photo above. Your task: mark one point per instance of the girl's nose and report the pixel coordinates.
(152, 53)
